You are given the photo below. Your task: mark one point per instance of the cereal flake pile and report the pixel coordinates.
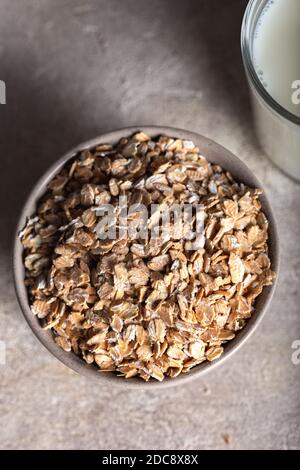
(145, 307)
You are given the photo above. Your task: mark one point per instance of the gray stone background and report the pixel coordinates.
(74, 69)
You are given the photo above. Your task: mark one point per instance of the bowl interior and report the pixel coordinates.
(214, 153)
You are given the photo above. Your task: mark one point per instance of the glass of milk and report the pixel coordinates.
(271, 53)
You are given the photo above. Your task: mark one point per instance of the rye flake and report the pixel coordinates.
(145, 307)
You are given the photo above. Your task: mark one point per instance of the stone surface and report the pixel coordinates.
(74, 69)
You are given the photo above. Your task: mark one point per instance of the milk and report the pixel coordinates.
(276, 52)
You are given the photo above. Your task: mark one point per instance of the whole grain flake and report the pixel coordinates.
(133, 303)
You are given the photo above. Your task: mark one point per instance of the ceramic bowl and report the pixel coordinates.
(214, 153)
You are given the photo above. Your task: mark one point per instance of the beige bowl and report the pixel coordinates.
(214, 153)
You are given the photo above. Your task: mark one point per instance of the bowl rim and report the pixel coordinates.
(69, 358)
